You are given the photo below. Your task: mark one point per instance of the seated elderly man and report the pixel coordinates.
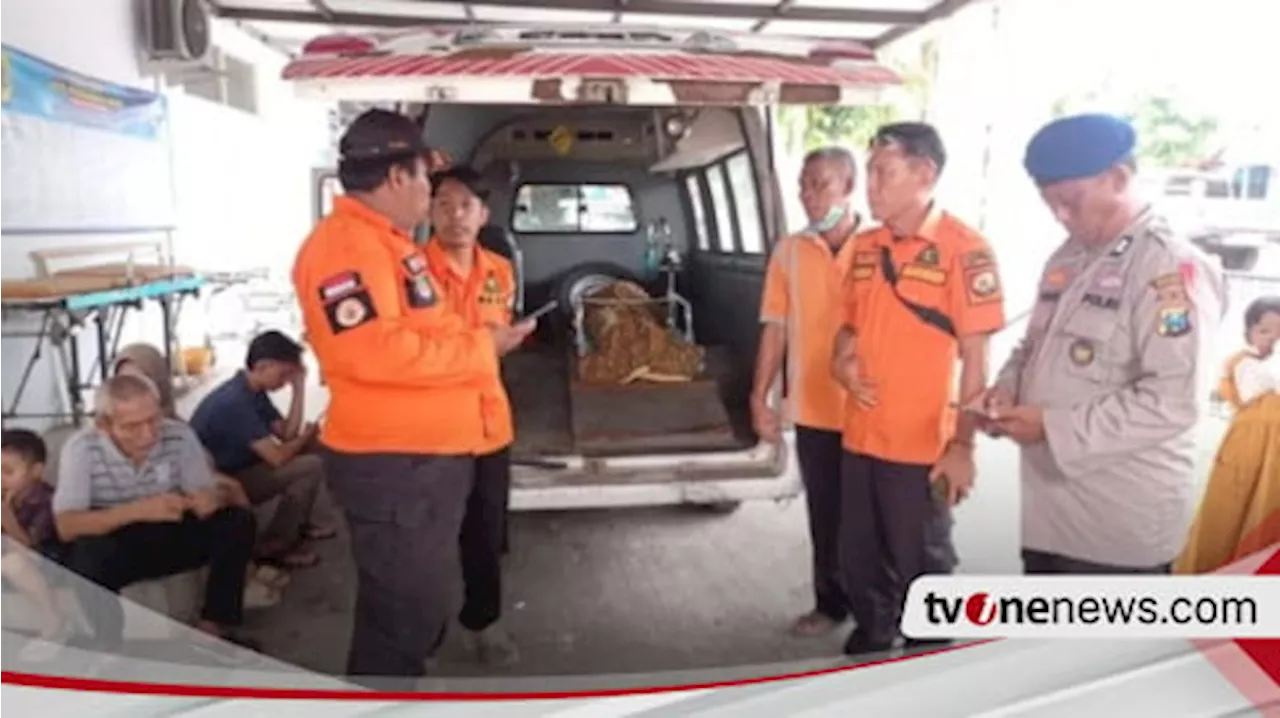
(136, 500)
(269, 454)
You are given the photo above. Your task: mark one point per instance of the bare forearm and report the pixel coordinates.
(842, 357)
(293, 422)
(278, 453)
(973, 382)
(13, 528)
(768, 360)
(72, 525)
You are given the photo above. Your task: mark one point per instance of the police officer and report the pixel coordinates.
(1103, 393)
(407, 380)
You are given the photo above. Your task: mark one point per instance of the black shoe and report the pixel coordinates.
(927, 644)
(859, 644)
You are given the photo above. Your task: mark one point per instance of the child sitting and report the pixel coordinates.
(28, 522)
(1240, 513)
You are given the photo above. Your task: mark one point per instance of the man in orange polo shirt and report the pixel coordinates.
(800, 313)
(408, 384)
(923, 292)
(480, 287)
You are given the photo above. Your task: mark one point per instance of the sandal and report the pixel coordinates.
(271, 576)
(319, 533)
(293, 560)
(258, 595)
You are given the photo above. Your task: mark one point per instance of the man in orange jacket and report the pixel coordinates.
(410, 393)
(479, 285)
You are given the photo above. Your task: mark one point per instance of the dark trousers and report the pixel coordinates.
(297, 483)
(143, 551)
(818, 451)
(404, 514)
(892, 530)
(1041, 562)
(481, 543)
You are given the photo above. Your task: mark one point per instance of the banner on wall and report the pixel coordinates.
(34, 87)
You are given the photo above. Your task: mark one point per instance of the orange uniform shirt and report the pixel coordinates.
(802, 293)
(946, 267)
(405, 374)
(484, 296)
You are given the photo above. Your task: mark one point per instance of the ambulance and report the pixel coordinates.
(641, 155)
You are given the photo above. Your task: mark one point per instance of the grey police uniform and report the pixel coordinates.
(1114, 354)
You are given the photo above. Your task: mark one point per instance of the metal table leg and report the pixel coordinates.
(166, 310)
(101, 319)
(73, 376)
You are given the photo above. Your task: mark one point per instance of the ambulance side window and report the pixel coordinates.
(721, 210)
(693, 192)
(732, 224)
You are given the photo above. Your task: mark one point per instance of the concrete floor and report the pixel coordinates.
(651, 590)
(647, 590)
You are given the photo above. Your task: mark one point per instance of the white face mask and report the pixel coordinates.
(827, 223)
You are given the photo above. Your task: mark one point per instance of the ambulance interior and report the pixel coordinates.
(591, 204)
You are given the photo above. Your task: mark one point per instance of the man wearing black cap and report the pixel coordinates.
(407, 379)
(1103, 394)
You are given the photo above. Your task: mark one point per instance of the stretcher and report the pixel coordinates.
(66, 303)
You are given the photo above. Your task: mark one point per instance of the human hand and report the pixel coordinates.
(765, 420)
(507, 338)
(860, 389)
(231, 492)
(160, 509)
(204, 503)
(298, 378)
(1023, 424)
(997, 399)
(438, 160)
(958, 470)
(991, 403)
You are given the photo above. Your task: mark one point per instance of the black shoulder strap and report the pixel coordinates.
(932, 317)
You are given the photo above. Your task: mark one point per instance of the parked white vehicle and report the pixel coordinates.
(655, 135)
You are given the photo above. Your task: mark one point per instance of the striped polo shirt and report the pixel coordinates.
(94, 474)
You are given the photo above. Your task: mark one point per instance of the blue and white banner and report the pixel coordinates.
(34, 87)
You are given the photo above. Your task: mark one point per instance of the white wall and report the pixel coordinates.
(241, 181)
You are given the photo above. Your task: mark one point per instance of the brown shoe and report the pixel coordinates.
(814, 624)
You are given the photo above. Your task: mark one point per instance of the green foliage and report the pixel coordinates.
(807, 128)
(1168, 135)
(849, 126)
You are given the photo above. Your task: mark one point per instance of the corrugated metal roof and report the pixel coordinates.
(288, 24)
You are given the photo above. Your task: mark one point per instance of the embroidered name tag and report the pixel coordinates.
(928, 275)
(1103, 301)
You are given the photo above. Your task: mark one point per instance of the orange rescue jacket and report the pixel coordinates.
(405, 374)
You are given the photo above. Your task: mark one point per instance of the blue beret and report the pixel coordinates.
(1078, 146)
